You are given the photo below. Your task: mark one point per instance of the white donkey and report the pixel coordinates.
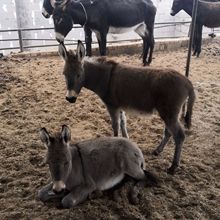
(77, 170)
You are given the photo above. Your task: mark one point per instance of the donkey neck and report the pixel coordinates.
(97, 76)
(78, 12)
(188, 7)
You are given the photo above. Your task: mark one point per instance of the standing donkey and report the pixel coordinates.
(103, 17)
(79, 169)
(123, 87)
(208, 14)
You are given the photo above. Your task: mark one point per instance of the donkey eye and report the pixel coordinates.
(77, 75)
(66, 163)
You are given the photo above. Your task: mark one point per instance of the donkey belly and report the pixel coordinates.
(140, 28)
(110, 182)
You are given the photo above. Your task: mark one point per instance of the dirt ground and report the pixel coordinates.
(32, 95)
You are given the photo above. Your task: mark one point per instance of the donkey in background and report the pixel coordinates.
(208, 14)
(77, 170)
(123, 87)
(103, 17)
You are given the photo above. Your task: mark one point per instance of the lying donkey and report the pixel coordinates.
(127, 87)
(82, 168)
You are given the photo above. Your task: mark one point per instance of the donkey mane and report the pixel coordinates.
(106, 61)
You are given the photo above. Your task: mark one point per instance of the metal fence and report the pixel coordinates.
(21, 40)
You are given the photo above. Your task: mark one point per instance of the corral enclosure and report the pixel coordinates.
(32, 95)
(30, 14)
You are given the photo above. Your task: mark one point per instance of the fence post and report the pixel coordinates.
(192, 30)
(20, 40)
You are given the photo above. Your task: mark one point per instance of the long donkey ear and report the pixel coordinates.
(66, 134)
(81, 51)
(44, 136)
(63, 51)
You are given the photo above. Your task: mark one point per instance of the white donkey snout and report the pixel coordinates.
(58, 186)
(59, 37)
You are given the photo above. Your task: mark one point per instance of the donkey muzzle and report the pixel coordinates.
(58, 186)
(71, 99)
(46, 15)
(59, 37)
(172, 13)
(71, 96)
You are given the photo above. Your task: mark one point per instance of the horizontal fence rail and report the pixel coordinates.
(21, 40)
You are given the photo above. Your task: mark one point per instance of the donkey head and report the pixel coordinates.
(47, 9)
(63, 22)
(73, 70)
(58, 156)
(177, 6)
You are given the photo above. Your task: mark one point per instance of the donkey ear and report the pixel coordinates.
(44, 136)
(80, 50)
(63, 51)
(66, 134)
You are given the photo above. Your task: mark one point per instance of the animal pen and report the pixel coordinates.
(32, 96)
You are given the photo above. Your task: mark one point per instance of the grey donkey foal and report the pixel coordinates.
(124, 87)
(79, 169)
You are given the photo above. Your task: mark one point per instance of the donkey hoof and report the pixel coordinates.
(156, 152)
(146, 64)
(68, 203)
(133, 196)
(134, 200)
(172, 170)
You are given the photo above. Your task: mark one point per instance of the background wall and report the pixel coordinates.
(34, 19)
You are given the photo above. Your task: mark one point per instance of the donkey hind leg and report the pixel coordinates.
(149, 179)
(123, 124)
(195, 39)
(163, 143)
(199, 39)
(114, 114)
(179, 137)
(146, 47)
(143, 33)
(151, 42)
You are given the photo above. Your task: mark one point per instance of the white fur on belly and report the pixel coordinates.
(111, 182)
(138, 28)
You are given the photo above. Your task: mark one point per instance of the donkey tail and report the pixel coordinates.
(190, 103)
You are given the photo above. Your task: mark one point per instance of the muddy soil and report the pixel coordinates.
(32, 95)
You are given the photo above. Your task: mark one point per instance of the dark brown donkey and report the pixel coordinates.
(123, 87)
(208, 15)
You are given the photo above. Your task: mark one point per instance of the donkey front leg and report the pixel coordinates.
(123, 124)
(114, 114)
(46, 193)
(101, 37)
(88, 40)
(76, 196)
(43, 194)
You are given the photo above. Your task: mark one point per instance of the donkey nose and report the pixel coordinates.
(172, 13)
(58, 186)
(46, 15)
(71, 99)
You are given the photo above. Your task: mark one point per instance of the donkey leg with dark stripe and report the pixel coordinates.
(115, 119)
(163, 143)
(179, 137)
